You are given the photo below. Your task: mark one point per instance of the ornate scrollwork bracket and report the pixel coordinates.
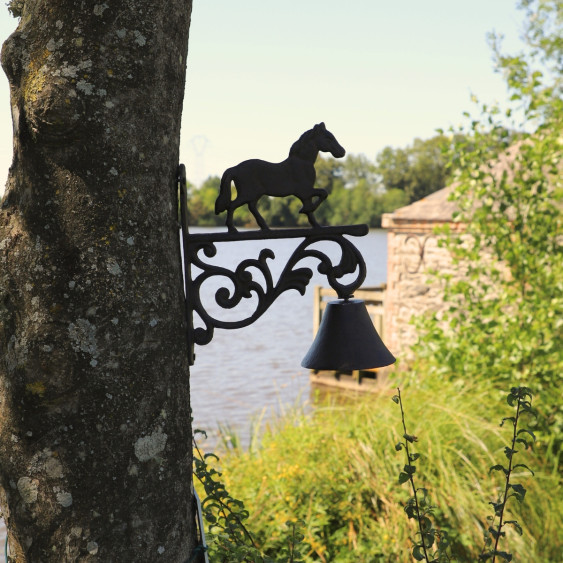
(198, 247)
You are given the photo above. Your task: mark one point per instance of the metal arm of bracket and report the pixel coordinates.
(243, 284)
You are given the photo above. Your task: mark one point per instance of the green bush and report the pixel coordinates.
(337, 471)
(504, 319)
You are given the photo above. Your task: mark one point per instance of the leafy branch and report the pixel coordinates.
(224, 514)
(521, 397)
(228, 538)
(418, 507)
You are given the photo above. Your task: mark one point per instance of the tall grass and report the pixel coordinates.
(337, 469)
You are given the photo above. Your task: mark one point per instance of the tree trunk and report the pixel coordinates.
(95, 432)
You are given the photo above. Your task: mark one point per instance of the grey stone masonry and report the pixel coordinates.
(412, 254)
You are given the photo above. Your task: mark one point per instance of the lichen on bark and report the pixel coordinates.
(93, 364)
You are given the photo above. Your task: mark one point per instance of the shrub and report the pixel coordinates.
(337, 472)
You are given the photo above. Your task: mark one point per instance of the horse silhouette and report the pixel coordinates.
(294, 176)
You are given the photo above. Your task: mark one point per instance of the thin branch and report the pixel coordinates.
(415, 496)
(224, 507)
(507, 483)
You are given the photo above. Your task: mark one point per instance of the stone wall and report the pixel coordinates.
(412, 253)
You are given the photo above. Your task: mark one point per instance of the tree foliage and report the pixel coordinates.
(505, 317)
(418, 170)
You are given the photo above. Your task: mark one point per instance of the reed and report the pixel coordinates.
(336, 470)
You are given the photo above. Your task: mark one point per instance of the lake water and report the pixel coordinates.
(245, 370)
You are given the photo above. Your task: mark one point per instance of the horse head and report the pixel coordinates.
(316, 139)
(326, 141)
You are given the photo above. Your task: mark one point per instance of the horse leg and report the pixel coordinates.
(309, 206)
(312, 220)
(230, 218)
(307, 209)
(321, 195)
(259, 219)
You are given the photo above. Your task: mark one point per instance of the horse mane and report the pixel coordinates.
(295, 149)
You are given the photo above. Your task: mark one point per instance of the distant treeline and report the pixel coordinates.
(360, 190)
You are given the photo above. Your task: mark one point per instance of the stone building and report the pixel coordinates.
(412, 253)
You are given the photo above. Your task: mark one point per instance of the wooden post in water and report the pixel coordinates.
(317, 313)
(374, 298)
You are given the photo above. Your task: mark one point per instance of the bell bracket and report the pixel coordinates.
(244, 285)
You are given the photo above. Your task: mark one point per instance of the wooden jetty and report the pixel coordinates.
(359, 380)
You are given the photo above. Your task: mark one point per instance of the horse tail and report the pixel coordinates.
(224, 198)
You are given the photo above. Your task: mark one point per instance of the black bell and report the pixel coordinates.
(347, 340)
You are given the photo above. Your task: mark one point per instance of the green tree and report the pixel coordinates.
(393, 199)
(356, 195)
(504, 320)
(393, 166)
(358, 169)
(427, 172)
(201, 203)
(418, 170)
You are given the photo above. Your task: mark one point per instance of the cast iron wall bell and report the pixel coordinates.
(347, 339)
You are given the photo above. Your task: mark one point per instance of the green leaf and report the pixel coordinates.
(418, 553)
(426, 525)
(413, 457)
(410, 510)
(399, 446)
(504, 554)
(523, 441)
(498, 506)
(519, 491)
(499, 467)
(495, 533)
(395, 399)
(516, 526)
(511, 418)
(526, 431)
(410, 469)
(410, 438)
(429, 539)
(403, 478)
(524, 466)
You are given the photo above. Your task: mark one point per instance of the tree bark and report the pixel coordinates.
(95, 431)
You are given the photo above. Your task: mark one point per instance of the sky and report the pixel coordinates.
(261, 72)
